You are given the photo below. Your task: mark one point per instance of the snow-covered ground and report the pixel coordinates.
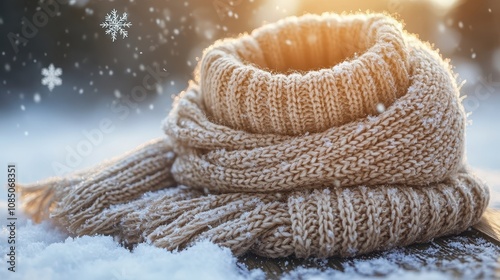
(45, 253)
(38, 138)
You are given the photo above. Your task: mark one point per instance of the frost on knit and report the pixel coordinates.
(280, 147)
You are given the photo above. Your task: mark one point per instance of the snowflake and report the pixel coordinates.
(115, 24)
(51, 77)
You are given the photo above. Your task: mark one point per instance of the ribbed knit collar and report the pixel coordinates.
(305, 75)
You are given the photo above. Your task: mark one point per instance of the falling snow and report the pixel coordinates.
(51, 77)
(116, 25)
(380, 108)
(41, 244)
(37, 98)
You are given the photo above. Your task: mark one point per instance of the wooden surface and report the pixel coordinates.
(490, 225)
(467, 248)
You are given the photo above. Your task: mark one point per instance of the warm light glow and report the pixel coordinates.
(444, 4)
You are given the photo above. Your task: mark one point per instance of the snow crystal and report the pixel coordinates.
(392, 191)
(327, 142)
(372, 119)
(360, 128)
(170, 155)
(428, 122)
(285, 165)
(37, 98)
(441, 28)
(51, 77)
(115, 24)
(380, 108)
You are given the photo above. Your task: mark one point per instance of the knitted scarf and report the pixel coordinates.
(331, 135)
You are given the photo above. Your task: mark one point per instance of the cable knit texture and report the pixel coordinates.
(331, 135)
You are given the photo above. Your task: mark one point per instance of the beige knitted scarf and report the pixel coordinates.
(331, 135)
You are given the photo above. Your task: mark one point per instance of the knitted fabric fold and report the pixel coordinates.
(331, 135)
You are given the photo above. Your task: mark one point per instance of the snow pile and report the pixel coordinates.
(45, 253)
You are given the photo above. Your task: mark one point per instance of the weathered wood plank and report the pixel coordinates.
(466, 249)
(490, 224)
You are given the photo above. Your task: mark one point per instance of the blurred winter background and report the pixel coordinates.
(104, 107)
